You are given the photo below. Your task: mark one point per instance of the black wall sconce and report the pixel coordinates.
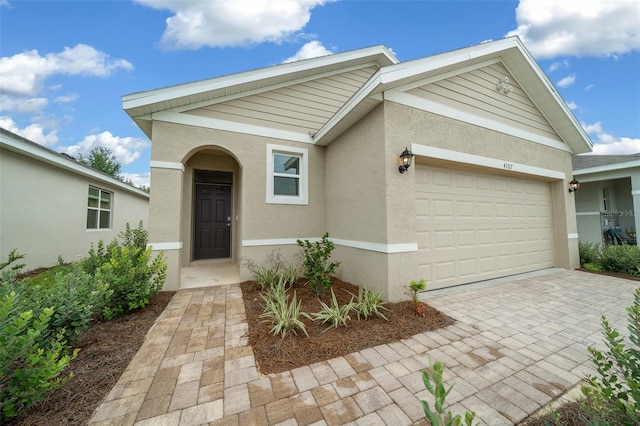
(574, 185)
(405, 160)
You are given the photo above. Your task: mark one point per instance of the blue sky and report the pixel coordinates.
(64, 65)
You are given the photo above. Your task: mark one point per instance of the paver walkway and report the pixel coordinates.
(515, 346)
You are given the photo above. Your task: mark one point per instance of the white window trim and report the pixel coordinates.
(303, 198)
(100, 209)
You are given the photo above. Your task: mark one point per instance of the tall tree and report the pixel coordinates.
(102, 159)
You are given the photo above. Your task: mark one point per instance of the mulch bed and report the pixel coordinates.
(106, 348)
(274, 354)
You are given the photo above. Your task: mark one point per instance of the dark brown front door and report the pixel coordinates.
(212, 221)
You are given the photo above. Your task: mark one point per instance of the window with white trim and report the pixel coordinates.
(287, 175)
(99, 208)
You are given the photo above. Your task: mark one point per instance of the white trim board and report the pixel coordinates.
(231, 126)
(587, 213)
(166, 165)
(477, 160)
(436, 108)
(573, 236)
(166, 246)
(364, 245)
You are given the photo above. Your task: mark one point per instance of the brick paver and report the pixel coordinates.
(515, 346)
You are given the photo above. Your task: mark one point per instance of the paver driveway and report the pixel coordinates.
(515, 346)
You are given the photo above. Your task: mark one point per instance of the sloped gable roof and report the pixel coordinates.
(391, 75)
(16, 143)
(600, 163)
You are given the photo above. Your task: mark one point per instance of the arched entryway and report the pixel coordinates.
(211, 220)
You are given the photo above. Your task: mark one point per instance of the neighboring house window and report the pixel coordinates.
(287, 175)
(99, 208)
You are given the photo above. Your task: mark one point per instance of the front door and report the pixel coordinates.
(212, 227)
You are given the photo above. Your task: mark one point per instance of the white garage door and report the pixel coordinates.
(475, 226)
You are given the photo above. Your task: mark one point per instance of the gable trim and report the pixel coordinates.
(478, 160)
(436, 108)
(231, 126)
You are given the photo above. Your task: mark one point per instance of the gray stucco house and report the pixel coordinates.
(246, 163)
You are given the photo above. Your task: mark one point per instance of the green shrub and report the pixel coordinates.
(616, 388)
(32, 359)
(315, 264)
(589, 252)
(284, 316)
(75, 296)
(592, 267)
(335, 314)
(368, 303)
(620, 258)
(133, 277)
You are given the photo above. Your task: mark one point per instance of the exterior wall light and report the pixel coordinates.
(574, 185)
(405, 160)
(504, 86)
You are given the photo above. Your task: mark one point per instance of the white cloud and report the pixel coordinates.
(608, 144)
(138, 179)
(589, 87)
(127, 149)
(25, 106)
(572, 105)
(312, 49)
(557, 65)
(64, 99)
(581, 28)
(33, 132)
(219, 23)
(567, 81)
(24, 73)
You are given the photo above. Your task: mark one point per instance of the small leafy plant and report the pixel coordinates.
(368, 303)
(335, 314)
(440, 417)
(268, 274)
(413, 289)
(283, 315)
(316, 267)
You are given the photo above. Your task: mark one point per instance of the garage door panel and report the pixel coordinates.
(476, 226)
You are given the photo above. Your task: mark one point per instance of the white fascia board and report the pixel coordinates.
(358, 97)
(393, 73)
(139, 99)
(46, 156)
(446, 111)
(607, 168)
(231, 126)
(477, 160)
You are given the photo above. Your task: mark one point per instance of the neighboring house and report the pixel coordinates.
(247, 163)
(51, 205)
(609, 195)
